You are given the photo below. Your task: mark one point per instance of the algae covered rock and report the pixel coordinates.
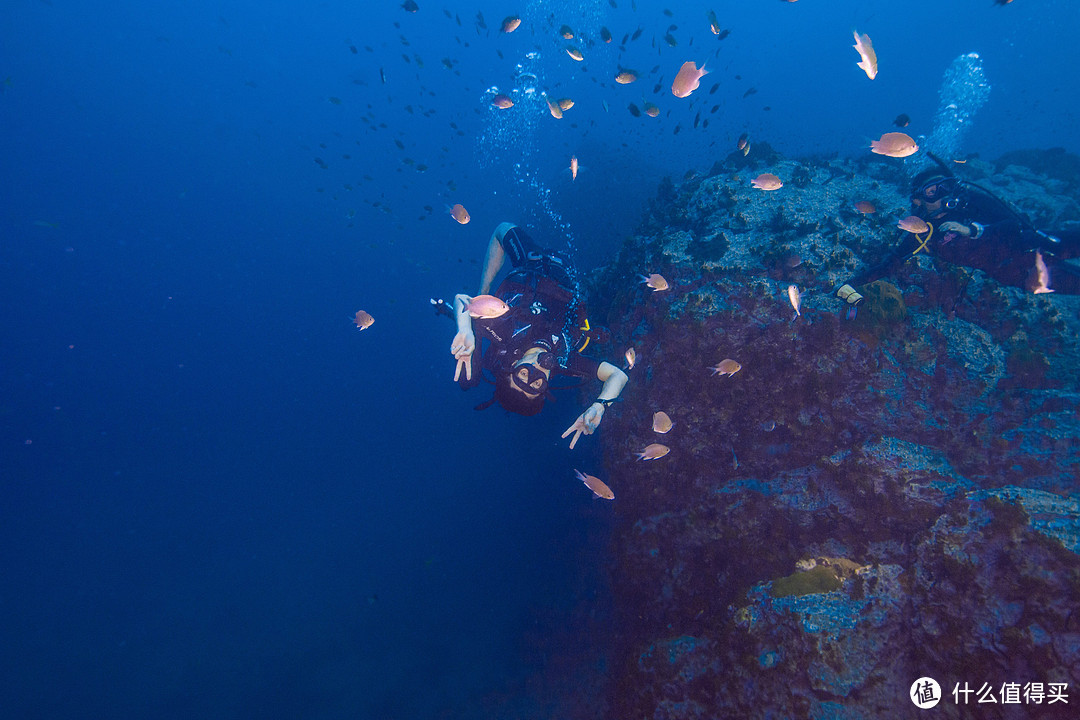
(819, 579)
(882, 305)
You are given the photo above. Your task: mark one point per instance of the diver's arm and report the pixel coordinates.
(847, 291)
(464, 343)
(1005, 230)
(614, 380)
(495, 257)
(464, 320)
(988, 217)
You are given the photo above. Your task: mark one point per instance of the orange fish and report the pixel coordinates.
(510, 23)
(651, 110)
(460, 214)
(661, 423)
(565, 104)
(631, 358)
(688, 79)
(894, 144)
(865, 207)
(363, 320)
(573, 168)
(767, 181)
(596, 485)
(502, 101)
(625, 77)
(653, 452)
(605, 34)
(556, 111)
(1039, 279)
(655, 281)
(866, 52)
(913, 224)
(574, 53)
(486, 307)
(566, 32)
(727, 366)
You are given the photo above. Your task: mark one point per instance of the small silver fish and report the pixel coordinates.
(796, 299)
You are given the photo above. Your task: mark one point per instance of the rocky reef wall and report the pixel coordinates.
(866, 502)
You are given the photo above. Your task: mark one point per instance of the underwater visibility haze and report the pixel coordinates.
(228, 494)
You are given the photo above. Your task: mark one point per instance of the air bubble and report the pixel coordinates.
(964, 90)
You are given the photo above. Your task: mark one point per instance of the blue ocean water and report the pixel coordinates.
(219, 498)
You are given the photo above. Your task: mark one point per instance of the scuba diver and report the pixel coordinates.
(539, 332)
(969, 225)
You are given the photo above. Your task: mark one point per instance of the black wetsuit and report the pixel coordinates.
(542, 296)
(1005, 249)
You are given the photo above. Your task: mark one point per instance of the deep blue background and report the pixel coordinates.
(221, 500)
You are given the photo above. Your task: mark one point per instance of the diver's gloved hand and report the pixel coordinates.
(586, 423)
(462, 347)
(974, 230)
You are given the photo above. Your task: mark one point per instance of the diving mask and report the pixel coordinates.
(935, 189)
(530, 377)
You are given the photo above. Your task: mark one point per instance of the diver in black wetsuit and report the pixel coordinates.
(541, 335)
(971, 226)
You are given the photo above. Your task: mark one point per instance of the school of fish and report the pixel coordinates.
(578, 43)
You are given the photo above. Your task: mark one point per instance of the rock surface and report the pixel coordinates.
(865, 502)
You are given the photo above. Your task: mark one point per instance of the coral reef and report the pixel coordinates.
(866, 502)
